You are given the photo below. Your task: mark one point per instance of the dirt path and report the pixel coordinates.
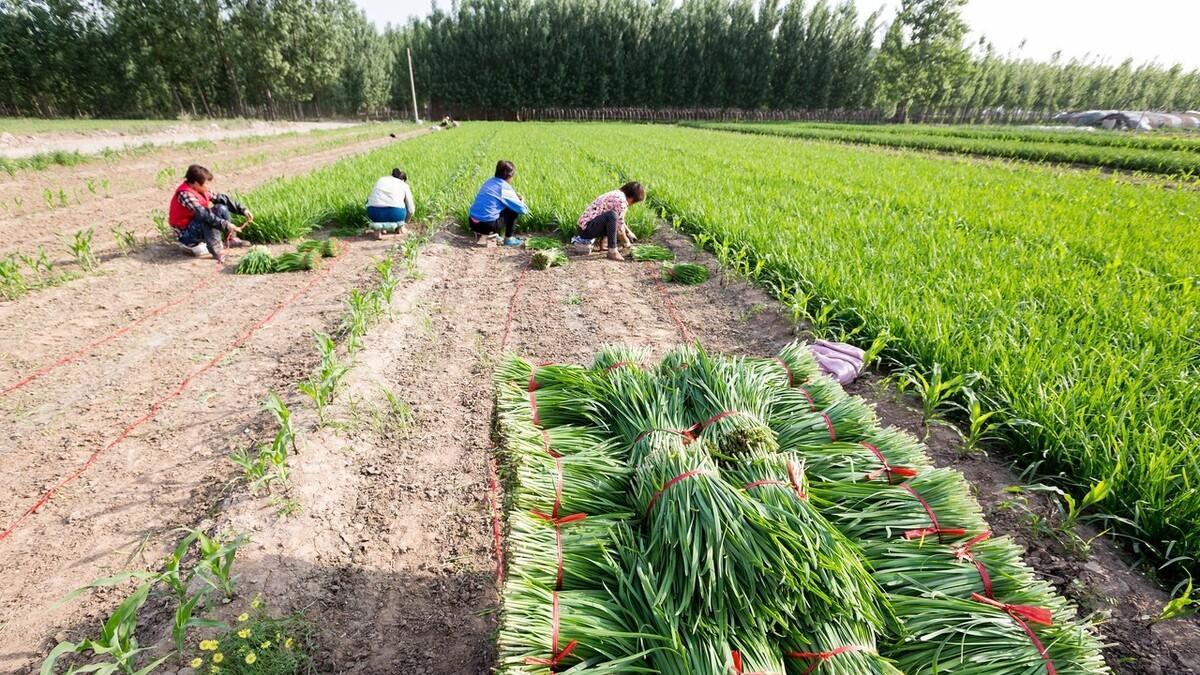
(391, 551)
(138, 187)
(26, 145)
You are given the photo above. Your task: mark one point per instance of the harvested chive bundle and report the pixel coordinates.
(855, 462)
(592, 482)
(535, 543)
(592, 628)
(949, 635)
(729, 400)
(297, 262)
(866, 511)
(257, 260)
(686, 273)
(915, 568)
(834, 648)
(819, 393)
(850, 419)
(654, 252)
(542, 243)
(616, 356)
(546, 258)
(793, 367)
(326, 248)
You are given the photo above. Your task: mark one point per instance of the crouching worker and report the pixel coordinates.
(604, 218)
(390, 205)
(202, 216)
(497, 207)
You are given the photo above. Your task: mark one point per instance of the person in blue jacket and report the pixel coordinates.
(497, 207)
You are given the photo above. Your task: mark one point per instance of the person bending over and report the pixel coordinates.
(497, 207)
(202, 216)
(605, 217)
(390, 205)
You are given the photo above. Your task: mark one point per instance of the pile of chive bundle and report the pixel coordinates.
(712, 514)
(307, 256)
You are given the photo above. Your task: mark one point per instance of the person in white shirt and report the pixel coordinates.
(390, 205)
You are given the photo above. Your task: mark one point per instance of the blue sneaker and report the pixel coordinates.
(512, 241)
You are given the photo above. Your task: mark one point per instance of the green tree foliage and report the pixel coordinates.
(322, 57)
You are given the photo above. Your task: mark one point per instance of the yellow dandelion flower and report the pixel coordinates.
(256, 602)
(218, 657)
(251, 658)
(196, 662)
(265, 645)
(244, 617)
(214, 669)
(244, 633)
(287, 644)
(208, 645)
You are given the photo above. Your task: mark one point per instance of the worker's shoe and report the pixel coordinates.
(485, 240)
(513, 241)
(197, 250)
(614, 254)
(377, 233)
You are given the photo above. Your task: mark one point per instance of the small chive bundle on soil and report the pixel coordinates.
(654, 252)
(542, 243)
(326, 248)
(546, 258)
(297, 262)
(257, 260)
(686, 273)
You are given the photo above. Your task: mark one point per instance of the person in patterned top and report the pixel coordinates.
(605, 217)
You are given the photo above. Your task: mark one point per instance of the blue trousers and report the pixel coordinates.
(212, 236)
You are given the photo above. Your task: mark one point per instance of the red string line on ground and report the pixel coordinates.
(512, 304)
(666, 297)
(556, 656)
(887, 469)
(964, 553)
(89, 347)
(681, 477)
(1021, 614)
(936, 529)
(737, 665)
(818, 658)
(494, 490)
(157, 405)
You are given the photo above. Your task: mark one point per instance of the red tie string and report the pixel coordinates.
(927, 531)
(820, 657)
(684, 434)
(964, 553)
(793, 481)
(556, 656)
(784, 365)
(676, 479)
(558, 523)
(887, 469)
(812, 405)
(1023, 614)
(829, 425)
(737, 665)
(689, 434)
(532, 388)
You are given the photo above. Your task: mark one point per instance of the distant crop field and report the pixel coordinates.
(33, 125)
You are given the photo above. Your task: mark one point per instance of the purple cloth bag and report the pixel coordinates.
(840, 361)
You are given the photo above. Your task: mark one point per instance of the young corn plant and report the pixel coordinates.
(361, 311)
(1180, 606)
(322, 385)
(386, 287)
(935, 391)
(12, 282)
(215, 566)
(115, 649)
(165, 232)
(127, 240)
(81, 250)
(981, 428)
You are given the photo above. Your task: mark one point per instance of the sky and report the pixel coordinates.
(1111, 29)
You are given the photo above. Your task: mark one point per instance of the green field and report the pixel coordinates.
(1072, 297)
(1175, 155)
(36, 125)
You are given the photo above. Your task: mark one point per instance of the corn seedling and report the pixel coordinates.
(81, 250)
(127, 240)
(935, 391)
(255, 466)
(185, 619)
(166, 233)
(215, 566)
(322, 385)
(12, 282)
(1180, 606)
(361, 310)
(116, 646)
(981, 427)
(386, 284)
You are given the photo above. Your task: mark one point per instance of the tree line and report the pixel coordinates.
(323, 57)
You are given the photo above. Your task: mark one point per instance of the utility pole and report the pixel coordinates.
(412, 86)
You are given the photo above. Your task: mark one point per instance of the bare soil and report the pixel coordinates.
(390, 552)
(95, 141)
